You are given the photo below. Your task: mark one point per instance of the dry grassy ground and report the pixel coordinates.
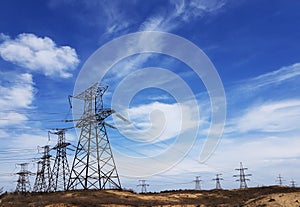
(252, 197)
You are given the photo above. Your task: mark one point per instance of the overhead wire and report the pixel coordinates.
(122, 146)
(31, 111)
(216, 168)
(33, 120)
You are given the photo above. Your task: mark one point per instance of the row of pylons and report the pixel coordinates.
(93, 165)
(47, 179)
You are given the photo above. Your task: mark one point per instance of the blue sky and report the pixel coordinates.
(254, 46)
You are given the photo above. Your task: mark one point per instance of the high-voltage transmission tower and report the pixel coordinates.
(242, 176)
(60, 172)
(42, 179)
(280, 180)
(197, 183)
(23, 183)
(293, 184)
(217, 179)
(143, 186)
(93, 165)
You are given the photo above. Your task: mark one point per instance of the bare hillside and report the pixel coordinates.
(252, 197)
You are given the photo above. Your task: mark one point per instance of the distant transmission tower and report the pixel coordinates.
(242, 176)
(60, 172)
(280, 180)
(23, 184)
(43, 172)
(217, 179)
(143, 186)
(93, 165)
(293, 184)
(197, 183)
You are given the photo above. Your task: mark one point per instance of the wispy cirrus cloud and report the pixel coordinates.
(268, 112)
(272, 78)
(165, 20)
(39, 54)
(168, 16)
(188, 10)
(117, 20)
(182, 12)
(277, 116)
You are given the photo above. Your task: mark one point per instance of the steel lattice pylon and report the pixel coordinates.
(143, 186)
(218, 183)
(23, 184)
(93, 166)
(60, 172)
(43, 172)
(242, 176)
(197, 183)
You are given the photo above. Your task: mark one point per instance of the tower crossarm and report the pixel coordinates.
(103, 114)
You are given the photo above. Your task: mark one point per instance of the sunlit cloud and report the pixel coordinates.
(39, 54)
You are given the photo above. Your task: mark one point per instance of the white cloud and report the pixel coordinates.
(259, 152)
(280, 116)
(270, 112)
(11, 118)
(265, 137)
(157, 121)
(28, 141)
(15, 97)
(39, 54)
(3, 37)
(18, 94)
(265, 157)
(258, 149)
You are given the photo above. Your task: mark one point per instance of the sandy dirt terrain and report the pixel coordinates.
(251, 197)
(276, 200)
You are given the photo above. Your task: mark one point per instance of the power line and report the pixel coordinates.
(16, 150)
(29, 111)
(171, 183)
(32, 120)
